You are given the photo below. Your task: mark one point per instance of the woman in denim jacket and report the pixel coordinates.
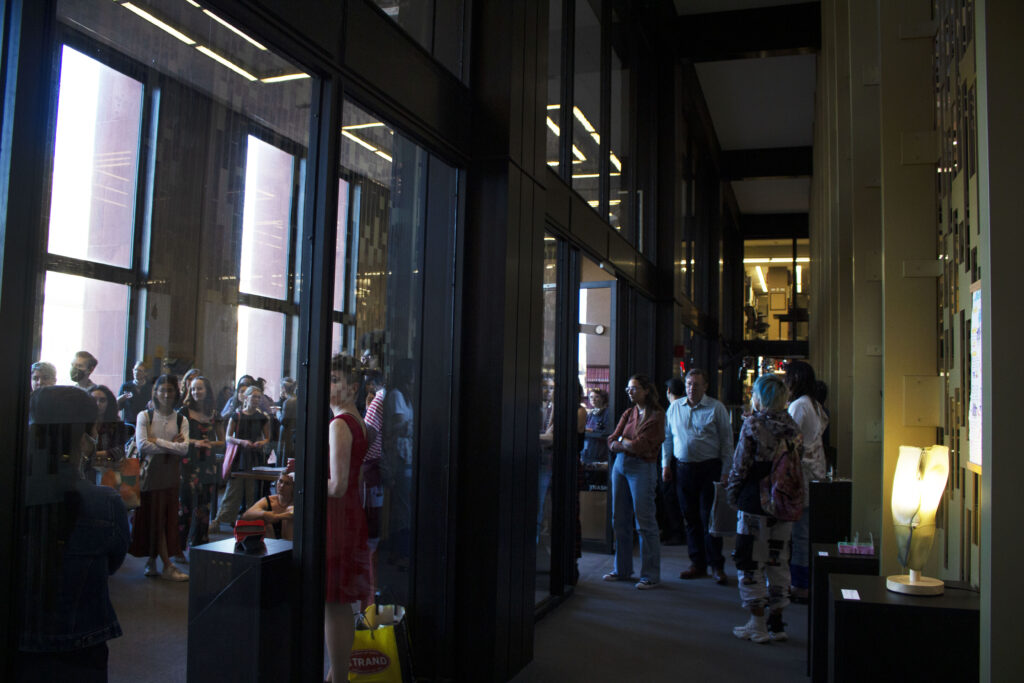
(75, 535)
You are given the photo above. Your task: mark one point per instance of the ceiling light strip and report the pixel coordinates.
(225, 62)
(358, 140)
(159, 24)
(233, 29)
(760, 276)
(283, 78)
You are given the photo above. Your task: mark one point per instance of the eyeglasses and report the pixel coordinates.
(632, 389)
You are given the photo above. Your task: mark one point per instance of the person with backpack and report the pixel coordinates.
(765, 483)
(161, 435)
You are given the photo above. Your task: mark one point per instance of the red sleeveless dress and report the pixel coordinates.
(349, 571)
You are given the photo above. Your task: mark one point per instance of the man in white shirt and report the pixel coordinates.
(698, 443)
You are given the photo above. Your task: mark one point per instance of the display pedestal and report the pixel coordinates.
(831, 505)
(826, 560)
(239, 618)
(875, 634)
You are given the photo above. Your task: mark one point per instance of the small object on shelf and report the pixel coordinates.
(856, 547)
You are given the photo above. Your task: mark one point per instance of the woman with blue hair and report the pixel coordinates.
(762, 560)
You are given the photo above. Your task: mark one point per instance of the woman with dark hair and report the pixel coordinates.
(812, 420)
(349, 575)
(598, 427)
(636, 444)
(111, 432)
(75, 536)
(249, 429)
(162, 437)
(199, 466)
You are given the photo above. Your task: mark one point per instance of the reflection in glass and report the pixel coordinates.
(547, 419)
(95, 163)
(437, 25)
(586, 137)
(620, 198)
(177, 148)
(84, 314)
(553, 115)
(776, 289)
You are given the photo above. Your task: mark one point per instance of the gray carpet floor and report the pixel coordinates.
(680, 631)
(603, 632)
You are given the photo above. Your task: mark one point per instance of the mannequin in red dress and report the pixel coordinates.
(348, 568)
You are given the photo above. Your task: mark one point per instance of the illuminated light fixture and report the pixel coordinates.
(585, 175)
(225, 62)
(577, 153)
(799, 281)
(597, 138)
(583, 119)
(593, 203)
(285, 77)
(359, 141)
(917, 488)
(760, 276)
(159, 24)
(384, 156)
(614, 175)
(614, 202)
(232, 29)
(359, 126)
(954, 143)
(778, 259)
(553, 106)
(552, 163)
(615, 161)
(554, 127)
(193, 3)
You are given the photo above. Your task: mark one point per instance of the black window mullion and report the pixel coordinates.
(605, 126)
(565, 117)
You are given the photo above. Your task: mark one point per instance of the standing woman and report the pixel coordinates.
(636, 444)
(249, 429)
(111, 432)
(810, 417)
(348, 570)
(760, 554)
(162, 438)
(199, 466)
(599, 424)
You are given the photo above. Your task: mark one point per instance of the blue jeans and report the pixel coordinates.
(633, 482)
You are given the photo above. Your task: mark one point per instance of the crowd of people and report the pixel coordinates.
(693, 440)
(176, 429)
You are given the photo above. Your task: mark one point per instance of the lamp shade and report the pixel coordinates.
(918, 483)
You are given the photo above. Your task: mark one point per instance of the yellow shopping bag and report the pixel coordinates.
(380, 651)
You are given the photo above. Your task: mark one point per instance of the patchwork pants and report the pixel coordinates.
(762, 561)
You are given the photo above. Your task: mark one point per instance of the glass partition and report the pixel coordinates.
(776, 289)
(177, 148)
(586, 137)
(549, 414)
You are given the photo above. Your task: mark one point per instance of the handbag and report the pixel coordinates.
(125, 480)
(381, 651)
(723, 514)
(230, 452)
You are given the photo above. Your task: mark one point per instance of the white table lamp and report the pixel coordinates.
(917, 488)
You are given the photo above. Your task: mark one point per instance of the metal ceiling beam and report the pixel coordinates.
(778, 162)
(765, 226)
(743, 34)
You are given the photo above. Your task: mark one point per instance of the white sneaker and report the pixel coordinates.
(151, 568)
(172, 573)
(180, 558)
(754, 630)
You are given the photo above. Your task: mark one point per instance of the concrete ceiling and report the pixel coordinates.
(760, 103)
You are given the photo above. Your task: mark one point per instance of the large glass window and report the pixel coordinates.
(177, 156)
(549, 413)
(553, 115)
(437, 25)
(586, 127)
(620, 204)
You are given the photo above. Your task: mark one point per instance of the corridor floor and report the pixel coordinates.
(680, 631)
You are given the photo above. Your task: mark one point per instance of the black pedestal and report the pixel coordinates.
(238, 614)
(825, 560)
(895, 637)
(831, 505)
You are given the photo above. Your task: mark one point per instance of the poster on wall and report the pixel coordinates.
(974, 417)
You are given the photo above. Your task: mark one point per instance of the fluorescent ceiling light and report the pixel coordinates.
(232, 28)
(554, 127)
(357, 126)
(760, 276)
(552, 163)
(584, 175)
(778, 259)
(799, 281)
(577, 153)
(386, 157)
(583, 119)
(597, 138)
(159, 24)
(193, 3)
(221, 60)
(615, 161)
(593, 203)
(285, 77)
(359, 141)
(553, 106)
(614, 202)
